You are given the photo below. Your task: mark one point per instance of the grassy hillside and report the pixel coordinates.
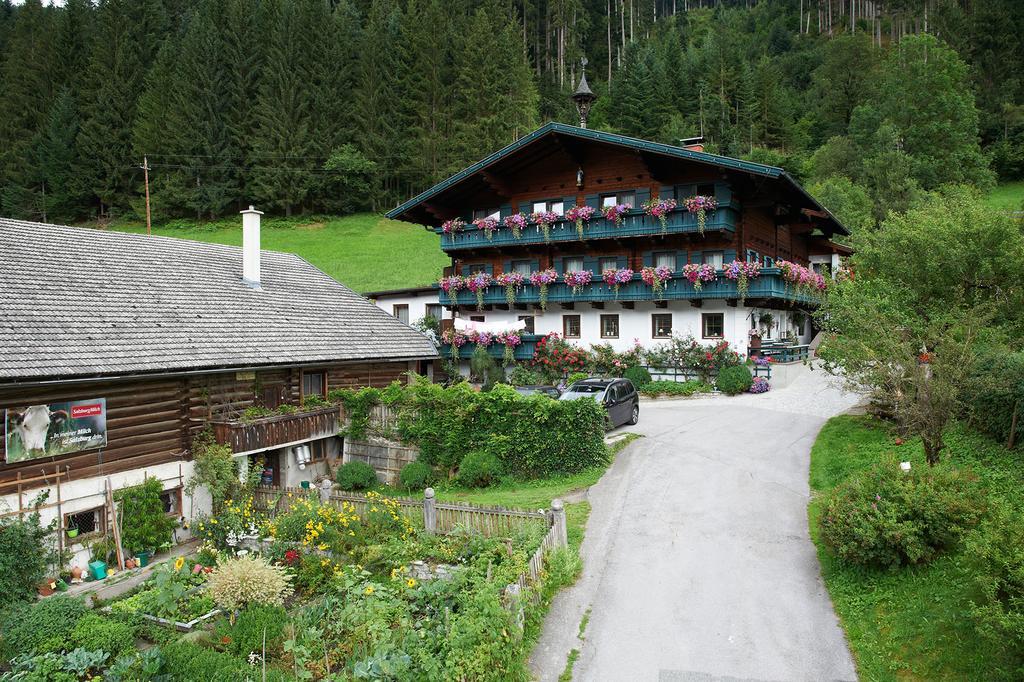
(1008, 195)
(366, 251)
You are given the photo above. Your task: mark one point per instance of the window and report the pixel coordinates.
(272, 397)
(607, 263)
(609, 326)
(318, 450)
(476, 318)
(712, 325)
(475, 267)
(753, 256)
(401, 311)
(171, 500)
(769, 262)
(715, 258)
(574, 264)
(822, 268)
(706, 190)
(528, 319)
(571, 326)
(661, 325)
(435, 311)
(486, 213)
(798, 324)
(666, 259)
(523, 267)
(313, 383)
(628, 198)
(554, 206)
(87, 522)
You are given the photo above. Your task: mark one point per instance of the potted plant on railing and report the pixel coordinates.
(512, 281)
(452, 226)
(580, 215)
(478, 283)
(510, 341)
(755, 337)
(542, 279)
(450, 286)
(544, 220)
(800, 279)
(660, 208)
(698, 273)
(616, 213)
(655, 277)
(455, 339)
(616, 277)
(742, 272)
(72, 529)
(487, 225)
(701, 205)
(515, 222)
(577, 279)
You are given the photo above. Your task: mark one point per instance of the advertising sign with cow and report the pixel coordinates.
(56, 429)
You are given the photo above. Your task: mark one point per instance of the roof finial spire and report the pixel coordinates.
(583, 97)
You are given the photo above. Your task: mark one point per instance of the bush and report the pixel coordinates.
(521, 375)
(239, 582)
(883, 516)
(356, 476)
(675, 388)
(997, 549)
(23, 556)
(416, 475)
(574, 377)
(995, 388)
(734, 380)
(188, 661)
(479, 469)
(638, 375)
(43, 627)
(246, 634)
(145, 526)
(93, 632)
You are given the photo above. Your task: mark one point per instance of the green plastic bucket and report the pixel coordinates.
(143, 558)
(98, 569)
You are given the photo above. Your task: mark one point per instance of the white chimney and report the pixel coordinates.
(251, 247)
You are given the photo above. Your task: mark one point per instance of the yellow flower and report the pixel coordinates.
(324, 562)
(322, 546)
(369, 589)
(411, 582)
(178, 563)
(213, 521)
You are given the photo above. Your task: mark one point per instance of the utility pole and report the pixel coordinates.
(145, 174)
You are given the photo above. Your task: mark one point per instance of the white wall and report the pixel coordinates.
(417, 304)
(80, 495)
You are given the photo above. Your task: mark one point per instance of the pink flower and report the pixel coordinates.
(452, 226)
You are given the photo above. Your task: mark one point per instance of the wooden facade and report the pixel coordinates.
(152, 421)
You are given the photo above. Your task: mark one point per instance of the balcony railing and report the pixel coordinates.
(769, 284)
(524, 351)
(635, 224)
(277, 431)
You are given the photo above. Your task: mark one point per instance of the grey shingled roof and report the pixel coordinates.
(78, 302)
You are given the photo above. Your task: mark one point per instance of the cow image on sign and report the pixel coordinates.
(55, 429)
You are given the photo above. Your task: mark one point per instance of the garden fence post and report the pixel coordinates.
(558, 521)
(325, 491)
(429, 511)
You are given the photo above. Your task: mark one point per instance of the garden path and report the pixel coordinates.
(698, 564)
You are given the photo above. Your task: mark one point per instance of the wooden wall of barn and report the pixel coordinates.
(152, 421)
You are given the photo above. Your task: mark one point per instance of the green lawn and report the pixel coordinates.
(1008, 196)
(366, 251)
(910, 623)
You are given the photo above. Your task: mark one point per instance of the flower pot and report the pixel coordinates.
(98, 569)
(72, 532)
(129, 564)
(76, 574)
(46, 588)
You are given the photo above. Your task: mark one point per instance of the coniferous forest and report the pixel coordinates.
(344, 105)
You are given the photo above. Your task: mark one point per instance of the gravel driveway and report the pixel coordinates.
(697, 560)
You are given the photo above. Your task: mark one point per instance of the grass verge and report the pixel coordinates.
(360, 251)
(1008, 196)
(910, 623)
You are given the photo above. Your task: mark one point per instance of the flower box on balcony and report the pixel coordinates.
(277, 430)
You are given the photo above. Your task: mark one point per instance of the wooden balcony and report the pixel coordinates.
(276, 431)
(635, 224)
(524, 351)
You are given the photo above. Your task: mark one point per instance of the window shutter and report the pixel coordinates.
(620, 262)
(505, 210)
(567, 203)
(667, 192)
(558, 266)
(594, 201)
(723, 193)
(643, 195)
(489, 269)
(506, 266)
(534, 265)
(681, 259)
(648, 259)
(591, 263)
(697, 257)
(729, 255)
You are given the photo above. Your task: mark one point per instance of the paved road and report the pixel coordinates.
(697, 561)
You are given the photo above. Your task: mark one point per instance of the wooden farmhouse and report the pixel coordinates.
(117, 349)
(517, 213)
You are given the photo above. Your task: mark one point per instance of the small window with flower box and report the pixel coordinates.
(313, 383)
(572, 264)
(481, 213)
(607, 263)
(627, 198)
(549, 206)
(86, 523)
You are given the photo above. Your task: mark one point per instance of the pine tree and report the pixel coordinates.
(56, 155)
